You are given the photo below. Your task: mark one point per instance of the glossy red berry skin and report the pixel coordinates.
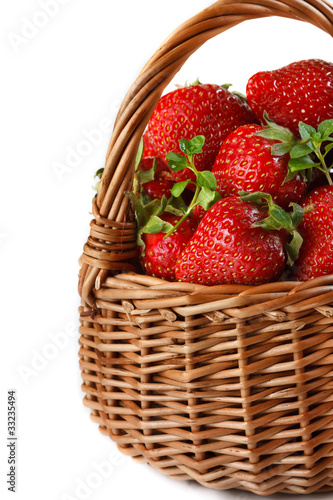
(245, 163)
(161, 254)
(227, 249)
(301, 91)
(316, 254)
(158, 188)
(148, 149)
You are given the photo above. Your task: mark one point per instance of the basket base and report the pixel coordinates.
(222, 478)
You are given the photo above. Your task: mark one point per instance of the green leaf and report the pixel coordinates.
(256, 197)
(216, 198)
(176, 161)
(99, 173)
(290, 175)
(156, 225)
(156, 207)
(296, 164)
(139, 154)
(300, 150)
(177, 203)
(175, 211)
(240, 95)
(184, 145)
(194, 146)
(196, 82)
(197, 143)
(280, 148)
(317, 138)
(273, 131)
(207, 198)
(140, 212)
(293, 247)
(296, 215)
(281, 217)
(177, 189)
(328, 148)
(145, 198)
(141, 243)
(207, 179)
(325, 128)
(282, 135)
(306, 131)
(144, 176)
(270, 224)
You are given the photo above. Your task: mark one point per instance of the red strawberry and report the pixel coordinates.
(160, 255)
(200, 109)
(148, 148)
(245, 163)
(316, 254)
(301, 91)
(157, 188)
(198, 212)
(227, 249)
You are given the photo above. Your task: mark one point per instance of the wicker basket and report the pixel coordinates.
(230, 386)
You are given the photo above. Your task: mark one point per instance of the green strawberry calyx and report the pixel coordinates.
(279, 219)
(205, 184)
(308, 152)
(148, 217)
(148, 212)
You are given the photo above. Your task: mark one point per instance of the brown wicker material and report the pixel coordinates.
(230, 386)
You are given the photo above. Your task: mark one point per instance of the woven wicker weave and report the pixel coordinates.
(230, 386)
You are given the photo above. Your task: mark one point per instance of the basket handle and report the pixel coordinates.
(112, 241)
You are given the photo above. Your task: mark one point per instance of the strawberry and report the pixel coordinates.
(233, 244)
(316, 254)
(160, 254)
(155, 189)
(148, 147)
(200, 109)
(245, 162)
(198, 212)
(301, 91)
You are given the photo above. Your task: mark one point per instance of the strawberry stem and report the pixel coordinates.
(324, 168)
(194, 199)
(187, 213)
(205, 193)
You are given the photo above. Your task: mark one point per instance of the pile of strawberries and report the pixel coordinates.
(235, 189)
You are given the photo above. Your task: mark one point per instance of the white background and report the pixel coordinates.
(62, 77)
